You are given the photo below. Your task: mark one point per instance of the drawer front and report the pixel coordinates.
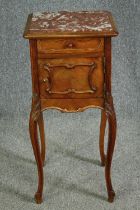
(70, 45)
(71, 77)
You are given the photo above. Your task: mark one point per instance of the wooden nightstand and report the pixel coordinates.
(71, 71)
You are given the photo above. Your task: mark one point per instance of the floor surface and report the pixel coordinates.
(74, 179)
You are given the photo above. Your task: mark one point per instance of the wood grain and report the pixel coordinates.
(83, 79)
(111, 116)
(102, 135)
(34, 115)
(71, 72)
(72, 105)
(70, 45)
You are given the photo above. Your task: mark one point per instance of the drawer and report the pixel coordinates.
(70, 45)
(71, 77)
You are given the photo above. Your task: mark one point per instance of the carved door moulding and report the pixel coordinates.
(49, 80)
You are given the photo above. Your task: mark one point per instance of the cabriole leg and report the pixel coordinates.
(36, 149)
(111, 143)
(42, 137)
(102, 135)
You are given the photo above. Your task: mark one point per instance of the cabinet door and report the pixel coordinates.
(73, 77)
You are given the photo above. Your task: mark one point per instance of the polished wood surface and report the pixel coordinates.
(34, 116)
(110, 111)
(70, 45)
(102, 135)
(71, 72)
(42, 137)
(71, 77)
(72, 105)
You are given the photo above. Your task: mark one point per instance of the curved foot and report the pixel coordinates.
(38, 198)
(111, 196)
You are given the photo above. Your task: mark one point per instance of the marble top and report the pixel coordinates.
(100, 22)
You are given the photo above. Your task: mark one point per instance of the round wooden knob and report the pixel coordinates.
(69, 45)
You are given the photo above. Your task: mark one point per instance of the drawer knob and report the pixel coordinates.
(69, 45)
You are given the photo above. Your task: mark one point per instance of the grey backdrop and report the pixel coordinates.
(73, 181)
